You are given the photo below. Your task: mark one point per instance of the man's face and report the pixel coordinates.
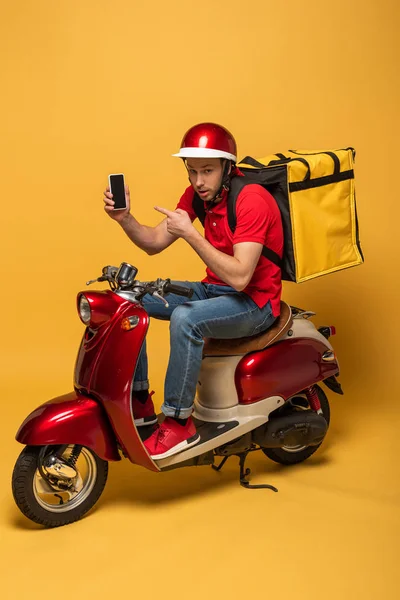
(205, 175)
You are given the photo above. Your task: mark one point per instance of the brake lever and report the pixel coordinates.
(157, 295)
(96, 280)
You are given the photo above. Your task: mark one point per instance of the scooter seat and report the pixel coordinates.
(242, 346)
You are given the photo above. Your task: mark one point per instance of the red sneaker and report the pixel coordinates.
(144, 414)
(170, 438)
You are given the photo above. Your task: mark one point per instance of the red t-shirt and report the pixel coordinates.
(258, 219)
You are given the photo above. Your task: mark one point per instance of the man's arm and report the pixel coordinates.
(236, 270)
(150, 239)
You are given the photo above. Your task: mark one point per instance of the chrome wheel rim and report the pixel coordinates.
(60, 501)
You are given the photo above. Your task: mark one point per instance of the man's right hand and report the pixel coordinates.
(117, 215)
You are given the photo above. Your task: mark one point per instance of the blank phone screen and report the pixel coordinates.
(118, 190)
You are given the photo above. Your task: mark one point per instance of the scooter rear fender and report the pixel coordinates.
(70, 419)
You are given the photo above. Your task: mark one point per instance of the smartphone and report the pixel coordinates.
(117, 187)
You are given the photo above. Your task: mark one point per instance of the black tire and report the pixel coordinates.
(284, 457)
(23, 487)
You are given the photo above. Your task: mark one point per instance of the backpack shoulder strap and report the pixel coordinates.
(237, 184)
(198, 207)
(272, 256)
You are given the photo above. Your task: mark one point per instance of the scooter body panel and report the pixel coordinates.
(283, 369)
(216, 382)
(106, 309)
(70, 419)
(105, 370)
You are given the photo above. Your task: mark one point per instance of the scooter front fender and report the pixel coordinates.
(70, 419)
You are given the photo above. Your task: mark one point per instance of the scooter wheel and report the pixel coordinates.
(53, 504)
(295, 455)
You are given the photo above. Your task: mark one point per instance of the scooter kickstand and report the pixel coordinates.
(221, 464)
(245, 473)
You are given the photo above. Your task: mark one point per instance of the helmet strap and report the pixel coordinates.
(225, 181)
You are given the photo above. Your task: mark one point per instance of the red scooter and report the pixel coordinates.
(256, 393)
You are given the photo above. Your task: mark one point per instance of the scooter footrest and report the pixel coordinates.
(209, 431)
(206, 429)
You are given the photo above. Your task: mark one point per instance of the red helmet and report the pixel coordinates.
(208, 140)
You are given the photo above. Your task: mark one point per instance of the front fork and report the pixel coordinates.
(54, 468)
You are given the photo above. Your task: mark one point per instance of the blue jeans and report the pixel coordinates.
(214, 311)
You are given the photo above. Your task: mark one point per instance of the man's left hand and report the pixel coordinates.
(178, 221)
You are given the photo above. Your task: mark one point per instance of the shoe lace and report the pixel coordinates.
(162, 432)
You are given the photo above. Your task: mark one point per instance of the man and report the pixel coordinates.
(240, 295)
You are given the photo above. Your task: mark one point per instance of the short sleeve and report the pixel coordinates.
(186, 202)
(253, 218)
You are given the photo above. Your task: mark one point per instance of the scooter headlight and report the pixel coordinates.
(84, 310)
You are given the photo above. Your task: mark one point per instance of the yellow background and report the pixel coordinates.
(89, 88)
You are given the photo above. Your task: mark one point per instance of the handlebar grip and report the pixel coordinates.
(180, 290)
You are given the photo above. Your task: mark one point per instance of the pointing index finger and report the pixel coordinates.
(164, 211)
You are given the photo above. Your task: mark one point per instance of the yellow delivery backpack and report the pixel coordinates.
(316, 197)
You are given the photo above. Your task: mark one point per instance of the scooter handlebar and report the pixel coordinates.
(180, 290)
